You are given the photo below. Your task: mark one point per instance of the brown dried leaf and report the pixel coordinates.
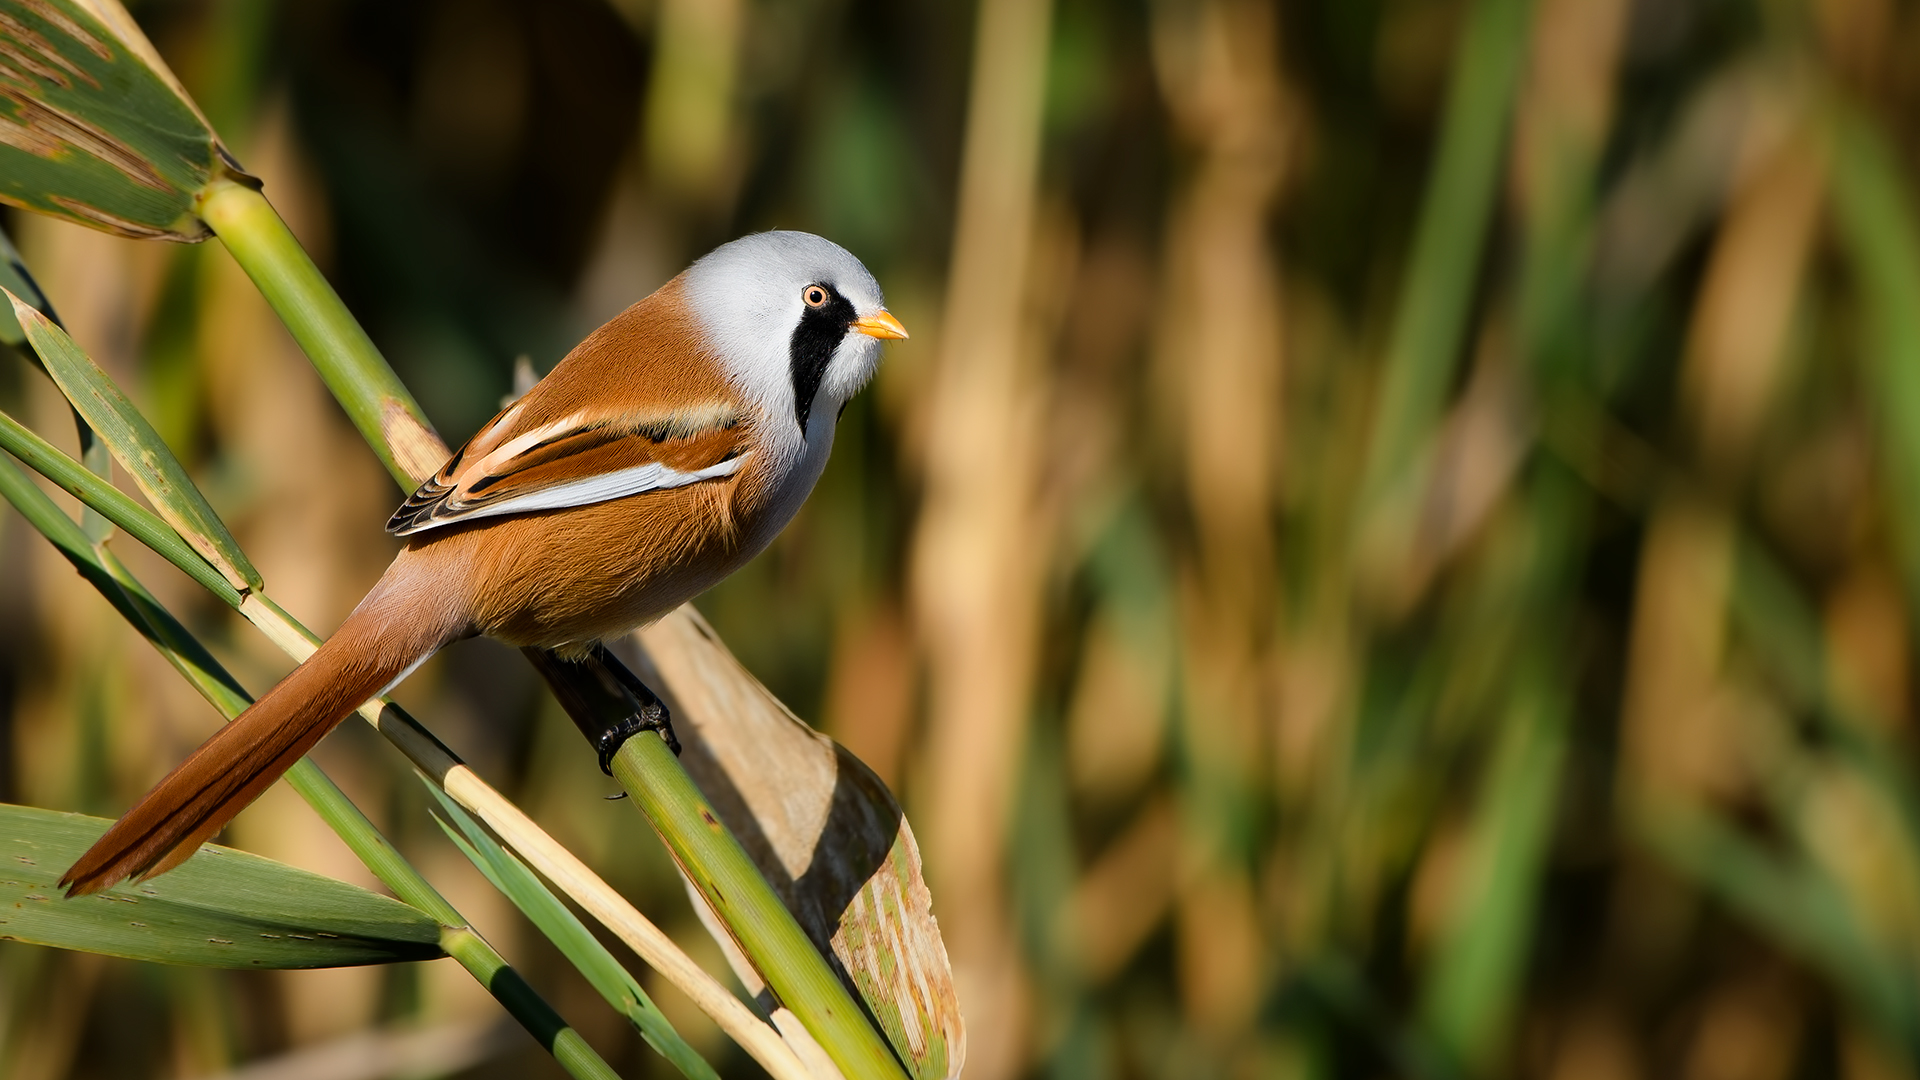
(825, 831)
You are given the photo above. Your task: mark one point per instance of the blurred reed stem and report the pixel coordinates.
(1430, 319)
(984, 533)
(1881, 234)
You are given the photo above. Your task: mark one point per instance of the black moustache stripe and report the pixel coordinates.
(820, 332)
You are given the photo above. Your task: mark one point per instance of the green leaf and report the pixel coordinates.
(221, 908)
(1434, 306)
(15, 279)
(1788, 898)
(116, 505)
(1481, 953)
(1880, 233)
(137, 447)
(569, 934)
(94, 128)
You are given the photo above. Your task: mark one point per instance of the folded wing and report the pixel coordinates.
(585, 457)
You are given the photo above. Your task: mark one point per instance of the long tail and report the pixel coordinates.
(378, 643)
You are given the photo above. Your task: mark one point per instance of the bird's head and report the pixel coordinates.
(796, 319)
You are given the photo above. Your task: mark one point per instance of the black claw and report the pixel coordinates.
(652, 716)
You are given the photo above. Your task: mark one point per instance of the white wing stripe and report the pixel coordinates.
(513, 448)
(652, 476)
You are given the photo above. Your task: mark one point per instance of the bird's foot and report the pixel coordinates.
(652, 716)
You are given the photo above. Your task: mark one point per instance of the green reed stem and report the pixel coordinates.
(352, 367)
(760, 924)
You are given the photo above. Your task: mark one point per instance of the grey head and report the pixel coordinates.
(798, 322)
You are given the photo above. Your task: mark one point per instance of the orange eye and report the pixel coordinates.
(814, 295)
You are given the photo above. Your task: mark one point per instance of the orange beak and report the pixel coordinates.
(881, 324)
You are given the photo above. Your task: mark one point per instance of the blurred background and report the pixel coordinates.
(1391, 550)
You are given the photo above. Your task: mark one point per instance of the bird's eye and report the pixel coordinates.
(814, 295)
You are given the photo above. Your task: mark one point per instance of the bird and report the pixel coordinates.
(661, 454)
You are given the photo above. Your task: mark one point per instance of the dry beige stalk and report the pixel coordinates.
(1221, 365)
(982, 536)
(1675, 740)
(1737, 349)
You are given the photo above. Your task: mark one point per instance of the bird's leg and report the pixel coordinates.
(608, 703)
(652, 715)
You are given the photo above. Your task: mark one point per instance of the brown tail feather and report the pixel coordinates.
(244, 758)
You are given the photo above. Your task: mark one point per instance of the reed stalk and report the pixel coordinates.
(768, 935)
(379, 405)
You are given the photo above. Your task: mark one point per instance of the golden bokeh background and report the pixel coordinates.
(1391, 550)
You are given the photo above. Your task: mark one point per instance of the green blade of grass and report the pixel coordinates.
(517, 883)
(138, 447)
(1881, 236)
(1769, 613)
(1430, 318)
(94, 563)
(221, 908)
(17, 280)
(1787, 897)
(115, 505)
(1479, 959)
